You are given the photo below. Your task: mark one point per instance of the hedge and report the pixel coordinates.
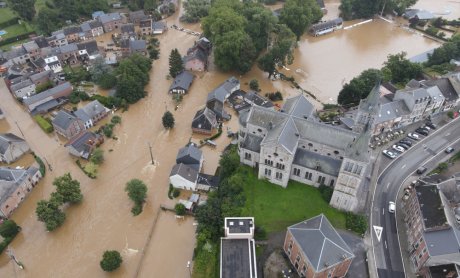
(17, 38)
(44, 124)
(10, 22)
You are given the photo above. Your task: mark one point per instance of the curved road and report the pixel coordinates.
(387, 255)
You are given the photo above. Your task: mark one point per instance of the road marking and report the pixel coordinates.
(386, 246)
(378, 232)
(383, 211)
(404, 166)
(388, 185)
(447, 134)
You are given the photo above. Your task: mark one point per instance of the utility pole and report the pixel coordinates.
(189, 266)
(49, 165)
(151, 155)
(20, 130)
(11, 255)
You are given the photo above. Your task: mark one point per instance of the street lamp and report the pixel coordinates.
(189, 266)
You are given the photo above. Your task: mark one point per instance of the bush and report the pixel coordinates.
(137, 209)
(111, 260)
(42, 168)
(176, 193)
(97, 157)
(260, 233)
(170, 191)
(9, 228)
(168, 120)
(356, 222)
(44, 124)
(180, 209)
(450, 114)
(108, 130)
(277, 96)
(137, 192)
(115, 120)
(254, 85)
(326, 192)
(432, 31)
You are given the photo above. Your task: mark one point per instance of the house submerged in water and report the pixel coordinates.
(326, 27)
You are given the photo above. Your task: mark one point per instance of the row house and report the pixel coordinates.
(67, 124)
(84, 144)
(91, 29)
(57, 39)
(32, 49)
(127, 31)
(72, 33)
(49, 99)
(12, 147)
(68, 54)
(131, 46)
(110, 22)
(145, 27)
(91, 113)
(137, 16)
(53, 63)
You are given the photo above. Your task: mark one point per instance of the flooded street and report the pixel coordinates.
(449, 9)
(103, 220)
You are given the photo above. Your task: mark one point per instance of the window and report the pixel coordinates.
(308, 175)
(247, 156)
(268, 162)
(297, 259)
(321, 179)
(268, 172)
(360, 169)
(304, 269)
(296, 172)
(280, 166)
(279, 176)
(331, 183)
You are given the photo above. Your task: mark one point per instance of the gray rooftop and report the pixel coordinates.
(252, 142)
(127, 28)
(159, 25)
(30, 46)
(431, 207)
(63, 119)
(326, 25)
(446, 87)
(40, 75)
(182, 81)
(239, 225)
(6, 139)
(189, 154)
(41, 96)
(185, 171)
(236, 258)
(298, 106)
(320, 242)
(11, 179)
(106, 18)
(82, 142)
(316, 161)
(205, 119)
(21, 85)
(224, 90)
(138, 45)
(68, 48)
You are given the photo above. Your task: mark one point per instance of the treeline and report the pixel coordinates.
(443, 54)
(353, 9)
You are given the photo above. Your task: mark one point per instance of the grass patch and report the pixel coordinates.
(16, 30)
(44, 124)
(91, 169)
(6, 14)
(276, 208)
(7, 47)
(206, 261)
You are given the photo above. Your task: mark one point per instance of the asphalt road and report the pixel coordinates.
(387, 253)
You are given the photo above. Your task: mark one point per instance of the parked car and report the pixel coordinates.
(406, 142)
(427, 128)
(391, 207)
(404, 146)
(389, 154)
(413, 136)
(449, 150)
(421, 170)
(398, 148)
(422, 131)
(431, 125)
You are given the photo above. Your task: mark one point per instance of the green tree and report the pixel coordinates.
(299, 14)
(351, 9)
(111, 260)
(401, 69)
(137, 190)
(9, 229)
(168, 120)
(49, 213)
(254, 85)
(221, 20)
(68, 188)
(194, 10)
(175, 63)
(359, 87)
(267, 63)
(150, 5)
(356, 222)
(24, 8)
(228, 163)
(234, 51)
(180, 209)
(97, 157)
(48, 20)
(133, 76)
(260, 25)
(115, 120)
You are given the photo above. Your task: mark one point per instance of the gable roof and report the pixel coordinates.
(137, 15)
(106, 18)
(68, 48)
(205, 119)
(50, 92)
(224, 90)
(137, 45)
(182, 81)
(446, 87)
(298, 106)
(127, 28)
(159, 25)
(190, 152)
(185, 171)
(320, 242)
(316, 161)
(89, 46)
(11, 179)
(82, 143)
(63, 119)
(6, 139)
(72, 30)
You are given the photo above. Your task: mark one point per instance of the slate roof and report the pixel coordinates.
(106, 18)
(11, 179)
(35, 77)
(391, 110)
(30, 46)
(137, 15)
(326, 25)
(252, 142)
(50, 92)
(445, 86)
(89, 46)
(209, 180)
(90, 25)
(138, 45)
(72, 30)
(185, 171)
(283, 135)
(68, 48)
(298, 106)
(63, 119)
(127, 28)
(196, 53)
(224, 90)
(434, 93)
(145, 23)
(320, 242)
(205, 119)
(159, 25)
(21, 85)
(82, 143)
(190, 155)
(182, 81)
(315, 161)
(90, 110)
(6, 139)
(41, 42)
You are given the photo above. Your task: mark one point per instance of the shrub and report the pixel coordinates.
(450, 114)
(137, 191)
(9, 228)
(254, 85)
(170, 191)
(44, 124)
(111, 260)
(260, 233)
(97, 157)
(115, 119)
(176, 193)
(356, 222)
(274, 96)
(180, 209)
(326, 192)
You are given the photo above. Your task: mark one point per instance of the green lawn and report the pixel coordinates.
(7, 47)
(6, 14)
(275, 208)
(15, 30)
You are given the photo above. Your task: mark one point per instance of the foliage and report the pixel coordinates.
(137, 192)
(356, 222)
(206, 261)
(9, 228)
(260, 233)
(180, 209)
(442, 167)
(170, 191)
(115, 120)
(90, 169)
(234, 51)
(175, 63)
(254, 85)
(43, 87)
(76, 74)
(42, 168)
(76, 96)
(194, 10)
(43, 123)
(450, 114)
(359, 87)
(353, 9)
(176, 193)
(299, 14)
(432, 31)
(276, 96)
(446, 52)
(108, 130)
(102, 74)
(326, 192)
(229, 162)
(68, 188)
(110, 102)
(111, 260)
(133, 76)
(168, 120)
(48, 20)
(154, 53)
(97, 157)
(328, 106)
(49, 212)
(398, 69)
(24, 8)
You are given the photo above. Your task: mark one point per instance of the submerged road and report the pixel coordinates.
(387, 253)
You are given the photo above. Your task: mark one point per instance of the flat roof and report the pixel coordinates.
(431, 206)
(239, 225)
(236, 258)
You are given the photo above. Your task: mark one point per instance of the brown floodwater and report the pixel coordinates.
(449, 9)
(103, 220)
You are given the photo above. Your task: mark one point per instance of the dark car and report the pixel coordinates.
(422, 131)
(404, 146)
(449, 150)
(431, 125)
(421, 170)
(406, 142)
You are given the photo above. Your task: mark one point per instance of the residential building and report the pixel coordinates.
(41, 42)
(190, 155)
(95, 15)
(17, 55)
(416, 101)
(183, 176)
(49, 99)
(110, 22)
(217, 98)
(204, 122)
(207, 182)
(326, 27)
(72, 33)
(197, 56)
(237, 248)
(67, 125)
(23, 89)
(131, 46)
(181, 83)
(12, 147)
(127, 31)
(92, 29)
(68, 54)
(436, 102)
(137, 16)
(53, 63)
(57, 39)
(159, 27)
(282, 146)
(145, 27)
(32, 49)
(316, 250)
(83, 144)
(91, 113)
(42, 77)
(88, 50)
(15, 185)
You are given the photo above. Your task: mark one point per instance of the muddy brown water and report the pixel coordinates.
(103, 220)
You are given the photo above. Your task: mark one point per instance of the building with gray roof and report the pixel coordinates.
(83, 144)
(329, 26)
(52, 96)
(137, 16)
(67, 125)
(91, 113)
(216, 99)
(12, 147)
(315, 249)
(204, 122)
(190, 155)
(182, 83)
(183, 176)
